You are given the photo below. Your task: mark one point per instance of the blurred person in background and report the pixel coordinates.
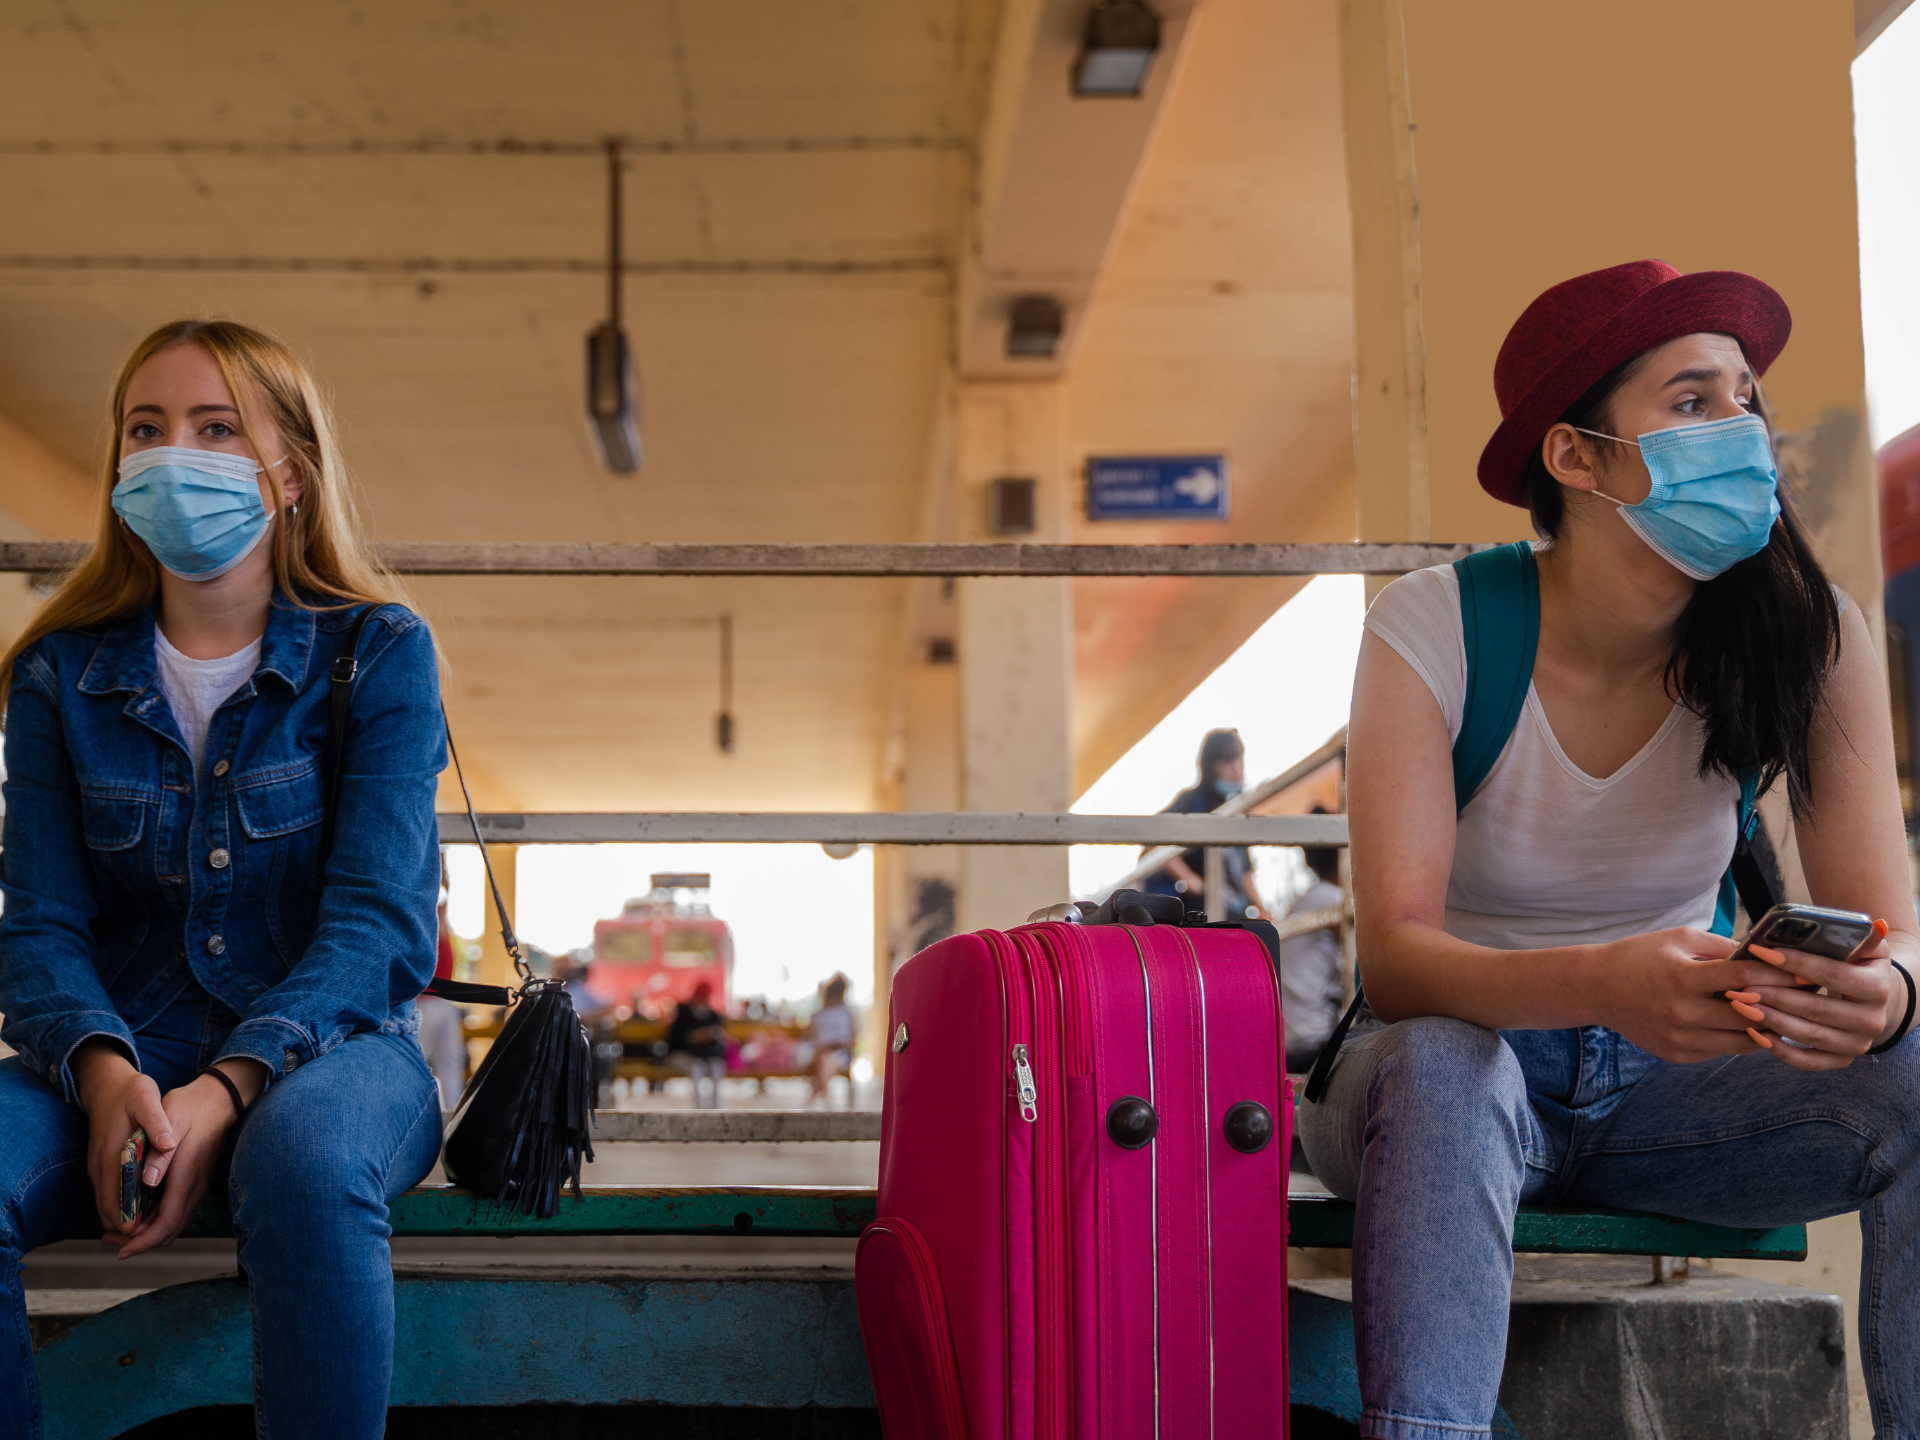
(1311, 965)
(696, 1045)
(830, 1033)
(1222, 774)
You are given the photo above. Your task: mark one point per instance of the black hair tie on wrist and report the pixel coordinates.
(1906, 1021)
(240, 1106)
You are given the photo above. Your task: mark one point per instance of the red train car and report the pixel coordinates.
(661, 946)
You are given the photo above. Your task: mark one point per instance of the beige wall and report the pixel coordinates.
(1552, 139)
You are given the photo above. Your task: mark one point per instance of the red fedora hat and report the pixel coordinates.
(1580, 329)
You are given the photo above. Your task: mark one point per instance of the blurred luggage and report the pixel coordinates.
(1083, 1183)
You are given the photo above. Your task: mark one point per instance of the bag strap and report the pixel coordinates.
(1500, 626)
(340, 678)
(1746, 879)
(507, 936)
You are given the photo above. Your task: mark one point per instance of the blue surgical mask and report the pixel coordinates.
(199, 511)
(1714, 497)
(1226, 788)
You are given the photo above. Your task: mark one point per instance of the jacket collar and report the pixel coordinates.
(123, 660)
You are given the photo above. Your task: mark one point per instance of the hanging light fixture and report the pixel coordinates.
(1118, 49)
(723, 723)
(611, 407)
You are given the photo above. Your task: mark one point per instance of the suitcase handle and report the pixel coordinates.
(1123, 907)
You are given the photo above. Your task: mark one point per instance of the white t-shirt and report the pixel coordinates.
(832, 1027)
(196, 688)
(1546, 854)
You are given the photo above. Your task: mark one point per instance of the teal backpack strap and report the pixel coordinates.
(1745, 883)
(1500, 626)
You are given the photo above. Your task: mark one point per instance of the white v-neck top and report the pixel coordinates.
(1544, 853)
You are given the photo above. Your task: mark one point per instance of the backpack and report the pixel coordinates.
(1500, 626)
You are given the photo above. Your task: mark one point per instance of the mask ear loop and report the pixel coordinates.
(1602, 435)
(293, 506)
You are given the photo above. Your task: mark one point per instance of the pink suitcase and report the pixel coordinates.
(1083, 1198)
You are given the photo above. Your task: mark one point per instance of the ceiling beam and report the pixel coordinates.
(1054, 176)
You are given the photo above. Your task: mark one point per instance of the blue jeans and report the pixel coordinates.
(320, 1155)
(1439, 1130)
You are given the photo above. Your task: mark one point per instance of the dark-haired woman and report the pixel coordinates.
(1223, 771)
(1551, 1019)
(180, 953)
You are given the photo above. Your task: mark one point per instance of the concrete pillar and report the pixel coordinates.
(496, 966)
(1015, 647)
(1389, 340)
(1536, 133)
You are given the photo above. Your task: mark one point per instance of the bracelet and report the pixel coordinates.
(1906, 1021)
(240, 1106)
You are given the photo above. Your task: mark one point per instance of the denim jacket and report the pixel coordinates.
(126, 879)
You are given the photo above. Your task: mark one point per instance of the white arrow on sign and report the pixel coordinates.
(1201, 486)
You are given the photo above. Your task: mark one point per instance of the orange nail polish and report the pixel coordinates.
(1759, 1039)
(1772, 957)
(1751, 1012)
(1752, 997)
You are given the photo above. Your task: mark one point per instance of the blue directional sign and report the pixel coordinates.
(1157, 487)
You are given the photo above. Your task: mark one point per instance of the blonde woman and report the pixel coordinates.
(181, 953)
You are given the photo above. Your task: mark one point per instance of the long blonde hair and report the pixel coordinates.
(321, 559)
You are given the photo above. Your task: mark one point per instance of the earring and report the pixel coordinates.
(293, 510)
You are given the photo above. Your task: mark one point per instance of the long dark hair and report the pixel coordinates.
(1754, 647)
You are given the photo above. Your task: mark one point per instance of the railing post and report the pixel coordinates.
(1215, 879)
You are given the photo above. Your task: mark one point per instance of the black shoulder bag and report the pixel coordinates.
(520, 1133)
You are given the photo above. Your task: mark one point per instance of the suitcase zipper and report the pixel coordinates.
(1023, 1078)
(1053, 1364)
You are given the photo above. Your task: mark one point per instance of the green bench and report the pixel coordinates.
(823, 1212)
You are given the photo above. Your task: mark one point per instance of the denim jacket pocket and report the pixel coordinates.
(112, 819)
(280, 800)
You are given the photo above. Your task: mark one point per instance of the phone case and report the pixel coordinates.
(1838, 933)
(136, 1199)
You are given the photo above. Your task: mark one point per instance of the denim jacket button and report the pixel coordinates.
(289, 1061)
(215, 945)
(220, 767)
(218, 859)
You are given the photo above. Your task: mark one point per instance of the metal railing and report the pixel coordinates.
(894, 827)
(539, 557)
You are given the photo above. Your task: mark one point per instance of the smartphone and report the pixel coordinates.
(136, 1199)
(1836, 934)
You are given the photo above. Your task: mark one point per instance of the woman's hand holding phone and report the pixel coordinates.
(200, 1114)
(1664, 992)
(119, 1100)
(1833, 1024)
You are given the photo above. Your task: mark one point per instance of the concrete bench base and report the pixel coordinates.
(481, 1337)
(1589, 1357)
(561, 1422)
(1599, 1356)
